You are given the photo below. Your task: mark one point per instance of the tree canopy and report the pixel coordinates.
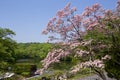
(7, 45)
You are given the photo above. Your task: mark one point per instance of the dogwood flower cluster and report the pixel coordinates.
(96, 63)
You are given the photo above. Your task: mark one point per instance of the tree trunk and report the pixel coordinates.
(100, 73)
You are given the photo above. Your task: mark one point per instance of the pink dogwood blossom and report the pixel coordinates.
(68, 29)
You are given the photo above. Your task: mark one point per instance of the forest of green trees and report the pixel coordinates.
(17, 55)
(35, 51)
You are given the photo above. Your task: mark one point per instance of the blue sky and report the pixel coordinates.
(27, 18)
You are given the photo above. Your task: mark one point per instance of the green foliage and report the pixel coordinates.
(7, 45)
(65, 63)
(7, 48)
(36, 51)
(22, 68)
(109, 37)
(112, 65)
(6, 33)
(3, 66)
(113, 69)
(25, 74)
(98, 39)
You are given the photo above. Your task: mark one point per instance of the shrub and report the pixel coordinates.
(22, 69)
(3, 66)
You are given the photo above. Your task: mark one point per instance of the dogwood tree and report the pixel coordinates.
(69, 30)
